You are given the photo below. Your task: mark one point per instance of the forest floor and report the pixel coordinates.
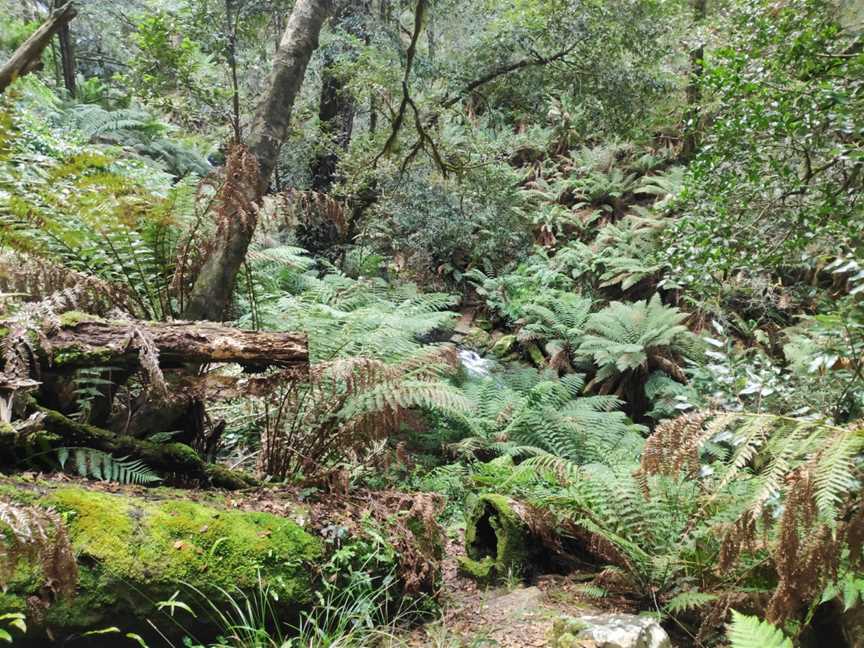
(507, 616)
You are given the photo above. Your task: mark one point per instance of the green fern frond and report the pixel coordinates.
(102, 466)
(751, 632)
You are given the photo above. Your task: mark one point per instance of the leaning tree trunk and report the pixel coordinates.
(212, 290)
(28, 57)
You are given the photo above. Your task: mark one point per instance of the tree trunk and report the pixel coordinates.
(28, 57)
(93, 343)
(694, 90)
(336, 107)
(212, 291)
(67, 59)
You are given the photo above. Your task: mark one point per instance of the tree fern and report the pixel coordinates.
(539, 413)
(628, 341)
(557, 321)
(89, 462)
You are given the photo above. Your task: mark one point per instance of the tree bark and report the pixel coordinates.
(27, 57)
(212, 290)
(336, 107)
(104, 343)
(67, 59)
(694, 89)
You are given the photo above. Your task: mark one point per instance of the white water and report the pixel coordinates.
(476, 365)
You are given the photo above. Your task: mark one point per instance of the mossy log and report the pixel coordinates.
(86, 341)
(175, 459)
(497, 538)
(122, 552)
(129, 553)
(505, 537)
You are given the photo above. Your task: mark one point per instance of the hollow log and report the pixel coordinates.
(497, 538)
(28, 57)
(84, 341)
(505, 537)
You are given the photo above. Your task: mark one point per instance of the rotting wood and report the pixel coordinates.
(94, 342)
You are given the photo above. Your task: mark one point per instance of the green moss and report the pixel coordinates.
(4, 331)
(83, 355)
(495, 538)
(504, 345)
(133, 553)
(477, 339)
(71, 319)
(482, 570)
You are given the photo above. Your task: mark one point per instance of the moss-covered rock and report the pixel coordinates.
(496, 538)
(477, 340)
(132, 553)
(504, 345)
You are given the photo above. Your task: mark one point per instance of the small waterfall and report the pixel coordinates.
(475, 365)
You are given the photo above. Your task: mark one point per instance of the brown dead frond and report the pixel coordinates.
(311, 209)
(36, 534)
(342, 408)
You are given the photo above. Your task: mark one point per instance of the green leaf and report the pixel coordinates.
(751, 632)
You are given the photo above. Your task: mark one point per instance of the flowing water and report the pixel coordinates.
(476, 366)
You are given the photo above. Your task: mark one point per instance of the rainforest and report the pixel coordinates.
(432, 323)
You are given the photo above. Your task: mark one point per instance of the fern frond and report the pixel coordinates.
(102, 466)
(750, 632)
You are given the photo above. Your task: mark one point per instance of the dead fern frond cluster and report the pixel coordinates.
(36, 534)
(311, 209)
(347, 404)
(674, 446)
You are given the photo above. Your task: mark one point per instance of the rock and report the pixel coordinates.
(609, 631)
(504, 345)
(476, 339)
(536, 355)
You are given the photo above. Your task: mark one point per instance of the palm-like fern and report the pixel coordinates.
(627, 341)
(89, 462)
(77, 206)
(751, 632)
(558, 322)
(346, 405)
(529, 413)
(625, 251)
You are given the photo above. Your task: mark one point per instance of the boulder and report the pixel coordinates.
(609, 631)
(504, 345)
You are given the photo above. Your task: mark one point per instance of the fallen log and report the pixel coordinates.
(176, 460)
(103, 559)
(106, 555)
(505, 537)
(28, 57)
(85, 341)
